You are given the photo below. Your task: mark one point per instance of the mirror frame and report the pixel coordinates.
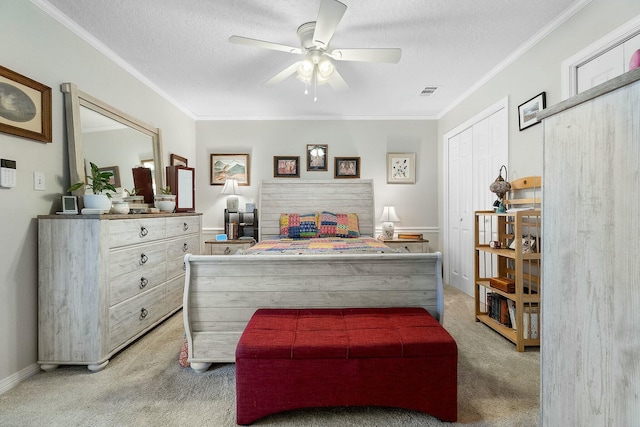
(73, 99)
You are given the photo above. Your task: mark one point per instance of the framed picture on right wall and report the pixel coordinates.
(527, 111)
(401, 168)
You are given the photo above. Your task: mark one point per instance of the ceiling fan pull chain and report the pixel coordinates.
(315, 82)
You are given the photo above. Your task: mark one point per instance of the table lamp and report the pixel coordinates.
(387, 218)
(231, 187)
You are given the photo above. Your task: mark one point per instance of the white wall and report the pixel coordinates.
(37, 46)
(370, 140)
(537, 70)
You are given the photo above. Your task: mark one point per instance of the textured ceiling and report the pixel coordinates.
(182, 49)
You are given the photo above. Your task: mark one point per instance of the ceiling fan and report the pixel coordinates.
(317, 66)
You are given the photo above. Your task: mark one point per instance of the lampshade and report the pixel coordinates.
(231, 187)
(387, 218)
(389, 214)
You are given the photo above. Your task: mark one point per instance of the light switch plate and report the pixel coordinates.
(38, 181)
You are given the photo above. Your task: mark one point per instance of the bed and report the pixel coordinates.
(222, 292)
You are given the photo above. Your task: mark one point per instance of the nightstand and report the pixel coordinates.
(412, 245)
(227, 247)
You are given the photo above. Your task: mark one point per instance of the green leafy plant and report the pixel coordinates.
(132, 192)
(166, 190)
(100, 182)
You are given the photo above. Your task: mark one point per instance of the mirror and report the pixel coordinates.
(111, 139)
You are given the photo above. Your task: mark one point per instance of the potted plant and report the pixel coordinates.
(165, 201)
(132, 196)
(100, 186)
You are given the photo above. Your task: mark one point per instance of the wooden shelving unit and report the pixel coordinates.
(518, 258)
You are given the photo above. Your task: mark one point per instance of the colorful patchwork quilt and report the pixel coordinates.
(319, 246)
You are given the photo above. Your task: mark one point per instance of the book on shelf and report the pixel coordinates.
(512, 313)
(530, 323)
(412, 236)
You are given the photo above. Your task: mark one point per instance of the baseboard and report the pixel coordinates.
(15, 379)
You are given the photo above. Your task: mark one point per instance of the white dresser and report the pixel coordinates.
(105, 280)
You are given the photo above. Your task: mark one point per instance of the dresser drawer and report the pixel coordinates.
(137, 258)
(134, 315)
(176, 250)
(175, 291)
(133, 231)
(182, 225)
(136, 282)
(414, 247)
(230, 247)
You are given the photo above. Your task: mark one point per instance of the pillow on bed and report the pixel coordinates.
(347, 225)
(328, 224)
(299, 226)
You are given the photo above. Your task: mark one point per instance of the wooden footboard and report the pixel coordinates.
(221, 293)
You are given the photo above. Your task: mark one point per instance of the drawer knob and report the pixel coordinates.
(143, 313)
(227, 250)
(143, 231)
(143, 282)
(185, 247)
(143, 259)
(185, 226)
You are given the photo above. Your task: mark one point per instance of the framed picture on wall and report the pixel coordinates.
(226, 166)
(25, 106)
(347, 167)
(178, 160)
(317, 157)
(286, 166)
(115, 175)
(401, 168)
(527, 110)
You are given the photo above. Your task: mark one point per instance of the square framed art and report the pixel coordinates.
(286, 166)
(347, 167)
(226, 166)
(401, 168)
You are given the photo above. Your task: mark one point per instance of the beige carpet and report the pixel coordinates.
(145, 386)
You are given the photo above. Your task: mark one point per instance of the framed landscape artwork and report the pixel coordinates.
(226, 166)
(527, 110)
(178, 160)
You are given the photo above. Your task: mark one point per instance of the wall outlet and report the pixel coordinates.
(38, 181)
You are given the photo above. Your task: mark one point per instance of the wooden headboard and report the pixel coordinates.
(303, 196)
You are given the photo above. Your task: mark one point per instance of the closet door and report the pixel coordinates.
(461, 211)
(474, 156)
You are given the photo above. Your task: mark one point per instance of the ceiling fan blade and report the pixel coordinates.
(387, 55)
(263, 44)
(329, 16)
(282, 75)
(337, 82)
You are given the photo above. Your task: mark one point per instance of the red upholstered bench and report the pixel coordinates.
(299, 358)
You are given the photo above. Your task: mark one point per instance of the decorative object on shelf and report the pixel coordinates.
(317, 157)
(229, 166)
(231, 188)
(500, 187)
(165, 201)
(634, 62)
(132, 196)
(401, 168)
(176, 160)
(100, 186)
(388, 218)
(527, 110)
(29, 115)
(286, 166)
(347, 167)
(182, 180)
(69, 205)
(119, 207)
